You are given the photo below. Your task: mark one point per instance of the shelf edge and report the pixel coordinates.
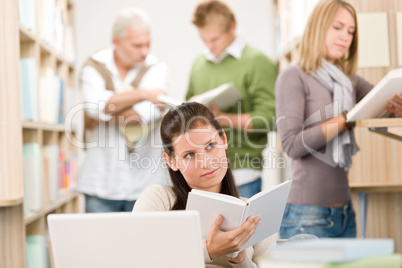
(11, 202)
(33, 216)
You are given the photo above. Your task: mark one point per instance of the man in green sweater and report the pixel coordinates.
(229, 59)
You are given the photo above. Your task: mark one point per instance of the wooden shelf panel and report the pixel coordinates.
(46, 48)
(380, 122)
(378, 188)
(42, 126)
(11, 202)
(31, 217)
(26, 35)
(60, 58)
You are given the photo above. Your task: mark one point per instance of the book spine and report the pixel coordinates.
(245, 214)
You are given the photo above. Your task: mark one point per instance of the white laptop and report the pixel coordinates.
(125, 239)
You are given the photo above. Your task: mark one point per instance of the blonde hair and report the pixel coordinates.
(213, 12)
(130, 16)
(313, 49)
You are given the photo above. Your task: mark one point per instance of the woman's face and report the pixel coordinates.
(200, 155)
(339, 35)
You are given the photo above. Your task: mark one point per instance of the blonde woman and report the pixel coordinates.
(313, 98)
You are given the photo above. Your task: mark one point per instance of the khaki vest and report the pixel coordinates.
(132, 133)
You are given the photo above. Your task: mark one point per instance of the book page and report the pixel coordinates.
(209, 208)
(270, 205)
(223, 96)
(222, 197)
(374, 103)
(373, 40)
(169, 101)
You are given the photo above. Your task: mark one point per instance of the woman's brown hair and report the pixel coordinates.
(176, 122)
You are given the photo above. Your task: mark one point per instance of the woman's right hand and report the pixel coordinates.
(395, 105)
(333, 127)
(220, 243)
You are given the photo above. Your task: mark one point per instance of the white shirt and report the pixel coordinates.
(235, 49)
(109, 171)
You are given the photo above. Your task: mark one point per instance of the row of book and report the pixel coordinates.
(48, 175)
(51, 24)
(47, 100)
(334, 253)
(37, 251)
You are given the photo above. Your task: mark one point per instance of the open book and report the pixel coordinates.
(269, 204)
(374, 103)
(223, 96)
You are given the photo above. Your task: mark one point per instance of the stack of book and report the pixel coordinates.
(334, 253)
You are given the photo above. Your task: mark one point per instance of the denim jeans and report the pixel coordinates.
(249, 189)
(319, 221)
(97, 204)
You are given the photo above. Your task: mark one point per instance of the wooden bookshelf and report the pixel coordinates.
(376, 168)
(22, 42)
(32, 217)
(377, 188)
(26, 35)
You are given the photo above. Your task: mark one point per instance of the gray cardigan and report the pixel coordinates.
(302, 104)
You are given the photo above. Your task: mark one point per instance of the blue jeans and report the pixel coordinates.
(250, 189)
(319, 221)
(97, 204)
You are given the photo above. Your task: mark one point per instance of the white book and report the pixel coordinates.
(27, 14)
(223, 96)
(169, 101)
(374, 103)
(33, 173)
(51, 154)
(55, 94)
(386, 261)
(269, 204)
(332, 249)
(35, 251)
(29, 89)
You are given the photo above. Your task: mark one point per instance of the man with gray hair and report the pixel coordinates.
(120, 87)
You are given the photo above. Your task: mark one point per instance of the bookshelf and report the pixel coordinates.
(376, 168)
(38, 86)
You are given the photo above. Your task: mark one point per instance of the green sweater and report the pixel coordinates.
(254, 75)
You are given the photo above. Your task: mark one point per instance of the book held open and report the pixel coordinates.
(223, 96)
(374, 103)
(269, 204)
